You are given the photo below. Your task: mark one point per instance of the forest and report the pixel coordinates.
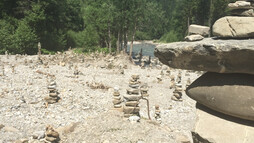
(105, 25)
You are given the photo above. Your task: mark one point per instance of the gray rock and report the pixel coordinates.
(195, 37)
(38, 135)
(198, 29)
(243, 12)
(234, 27)
(132, 97)
(223, 56)
(131, 110)
(213, 127)
(134, 119)
(1, 126)
(10, 129)
(240, 5)
(231, 94)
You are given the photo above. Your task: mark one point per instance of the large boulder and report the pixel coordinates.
(198, 29)
(213, 127)
(234, 27)
(231, 94)
(224, 56)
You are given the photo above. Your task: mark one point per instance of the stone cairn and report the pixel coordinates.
(52, 136)
(3, 70)
(117, 100)
(225, 93)
(39, 54)
(131, 107)
(53, 93)
(157, 114)
(177, 93)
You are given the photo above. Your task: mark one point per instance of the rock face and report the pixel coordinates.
(194, 38)
(231, 94)
(223, 56)
(232, 27)
(213, 127)
(198, 29)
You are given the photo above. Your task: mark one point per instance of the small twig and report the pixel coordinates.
(148, 111)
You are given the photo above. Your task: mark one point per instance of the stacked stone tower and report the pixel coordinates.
(53, 93)
(117, 100)
(132, 97)
(225, 93)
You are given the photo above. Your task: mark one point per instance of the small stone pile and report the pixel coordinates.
(144, 91)
(242, 8)
(132, 98)
(52, 136)
(188, 83)
(53, 93)
(197, 33)
(117, 100)
(3, 70)
(157, 114)
(177, 94)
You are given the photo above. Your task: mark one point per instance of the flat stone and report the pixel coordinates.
(53, 94)
(132, 97)
(130, 110)
(118, 106)
(240, 5)
(132, 91)
(132, 103)
(117, 97)
(182, 139)
(192, 38)
(134, 85)
(10, 129)
(214, 127)
(134, 119)
(198, 29)
(116, 101)
(52, 87)
(68, 128)
(243, 12)
(231, 94)
(51, 139)
(116, 94)
(223, 56)
(234, 27)
(38, 135)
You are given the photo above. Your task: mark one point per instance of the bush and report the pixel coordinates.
(24, 40)
(169, 37)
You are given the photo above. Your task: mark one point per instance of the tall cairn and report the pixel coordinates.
(131, 107)
(224, 95)
(117, 100)
(53, 93)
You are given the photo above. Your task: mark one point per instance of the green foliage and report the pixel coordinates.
(90, 25)
(24, 40)
(169, 37)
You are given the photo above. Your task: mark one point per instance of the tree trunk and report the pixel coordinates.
(118, 43)
(210, 17)
(133, 38)
(125, 41)
(109, 39)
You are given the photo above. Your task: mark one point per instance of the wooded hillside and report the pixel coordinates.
(99, 24)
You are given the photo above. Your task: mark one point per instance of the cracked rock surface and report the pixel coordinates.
(223, 56)
(232, 27)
